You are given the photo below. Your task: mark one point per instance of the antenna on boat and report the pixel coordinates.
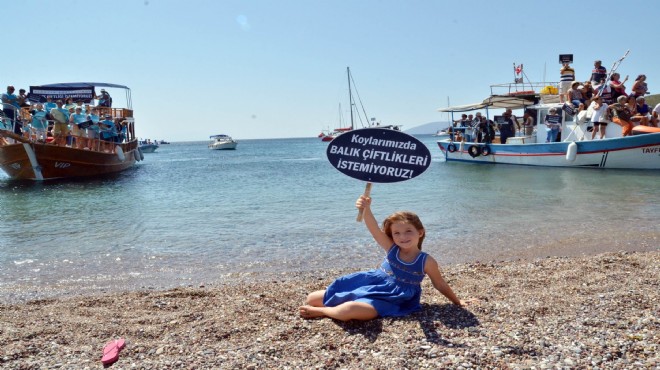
(350, 95)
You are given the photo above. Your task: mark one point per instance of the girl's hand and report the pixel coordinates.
(363, 202)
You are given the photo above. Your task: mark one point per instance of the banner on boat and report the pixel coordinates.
(378, 155)
(40, 93)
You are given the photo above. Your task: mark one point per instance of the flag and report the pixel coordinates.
(519, 69)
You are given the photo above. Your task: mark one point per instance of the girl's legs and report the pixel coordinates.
(344, 312)
(595, 131)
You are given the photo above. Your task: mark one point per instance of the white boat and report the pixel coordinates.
(574, 147)
(222, 142)
(148, 146)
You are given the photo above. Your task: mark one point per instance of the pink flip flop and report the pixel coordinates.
(111, 351)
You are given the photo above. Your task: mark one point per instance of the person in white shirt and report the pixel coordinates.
(598, 117)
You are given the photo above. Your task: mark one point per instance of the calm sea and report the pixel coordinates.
(187, 215)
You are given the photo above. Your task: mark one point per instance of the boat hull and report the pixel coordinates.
(148, 148)
(631, 152)
(223, 146)
(37, 161)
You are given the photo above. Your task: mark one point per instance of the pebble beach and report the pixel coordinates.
(600, 312)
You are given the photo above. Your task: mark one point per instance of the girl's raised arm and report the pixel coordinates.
(364, 203)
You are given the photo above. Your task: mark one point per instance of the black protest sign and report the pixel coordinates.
(378, 155)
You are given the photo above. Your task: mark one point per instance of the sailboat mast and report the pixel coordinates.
(350, 95)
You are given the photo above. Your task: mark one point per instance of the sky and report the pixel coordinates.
(277, 69)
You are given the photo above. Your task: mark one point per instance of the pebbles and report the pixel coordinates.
(601, 311)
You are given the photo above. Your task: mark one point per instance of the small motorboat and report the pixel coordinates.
(222, 142)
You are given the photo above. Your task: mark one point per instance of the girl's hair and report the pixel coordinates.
(405, 217)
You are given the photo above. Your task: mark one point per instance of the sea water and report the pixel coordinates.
(191, 215)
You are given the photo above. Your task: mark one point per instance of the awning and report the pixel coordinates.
(80, 85)
(495, 101)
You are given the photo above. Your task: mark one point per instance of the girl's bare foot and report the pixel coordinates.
(310, 312)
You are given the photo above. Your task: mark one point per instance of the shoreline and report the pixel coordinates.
(600, 311)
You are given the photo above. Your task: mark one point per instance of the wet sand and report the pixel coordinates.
(598, 311)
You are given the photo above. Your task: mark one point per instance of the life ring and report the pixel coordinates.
(485, 150)
(451, 148)
(474, 151)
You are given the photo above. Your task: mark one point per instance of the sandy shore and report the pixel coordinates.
(601, 311)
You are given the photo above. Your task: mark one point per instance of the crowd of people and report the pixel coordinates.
(63, 123)
(608, 97)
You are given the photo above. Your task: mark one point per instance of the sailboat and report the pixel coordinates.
(330, 135)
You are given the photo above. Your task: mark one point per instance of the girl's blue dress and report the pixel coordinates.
(393, 289)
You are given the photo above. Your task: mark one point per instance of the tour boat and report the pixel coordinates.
(24, 156)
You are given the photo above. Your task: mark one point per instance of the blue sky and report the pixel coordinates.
(269, 69)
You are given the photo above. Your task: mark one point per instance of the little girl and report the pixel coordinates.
(393, 289)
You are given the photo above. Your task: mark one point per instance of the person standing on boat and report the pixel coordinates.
(61, 127)
(553, 123)
(479, 127)
(10, 108)
(39, 123)
(104, 100)
(566, 78)
(621, 115)
(598, 74)
(78, 133)
(507, 127)
(94, 129)
(639, 87)
(598, 117)
(528, 123)
(617, 86)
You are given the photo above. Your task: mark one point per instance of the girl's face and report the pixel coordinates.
(405, 235)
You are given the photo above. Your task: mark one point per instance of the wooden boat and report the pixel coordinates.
(28, 157)
(222, 142)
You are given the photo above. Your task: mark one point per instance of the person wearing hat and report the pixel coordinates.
(621, 115)
(104, 99)
(553, 123)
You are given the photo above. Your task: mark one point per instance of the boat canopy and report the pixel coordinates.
(218, 136)
(81, 85)
(83, 91)
(494, 101)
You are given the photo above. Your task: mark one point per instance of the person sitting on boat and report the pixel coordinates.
(641, 114)
(655, 116)
(39, 123)
(598, 117)
(553, 123)
(61, 127)
(621, 114)
(574, 96)
(566, 78)
(508, 126)
(639, 88)
(617, 86)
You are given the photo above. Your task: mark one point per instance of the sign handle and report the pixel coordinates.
(367, 192)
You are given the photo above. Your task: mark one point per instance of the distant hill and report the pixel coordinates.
(652, 100)
(427, 128)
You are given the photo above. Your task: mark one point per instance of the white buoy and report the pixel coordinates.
(141, 155)
(120, 153)
(136, 155)
(571, 152)
(460, 147)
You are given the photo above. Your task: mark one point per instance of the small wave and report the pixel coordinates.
(23, 262)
